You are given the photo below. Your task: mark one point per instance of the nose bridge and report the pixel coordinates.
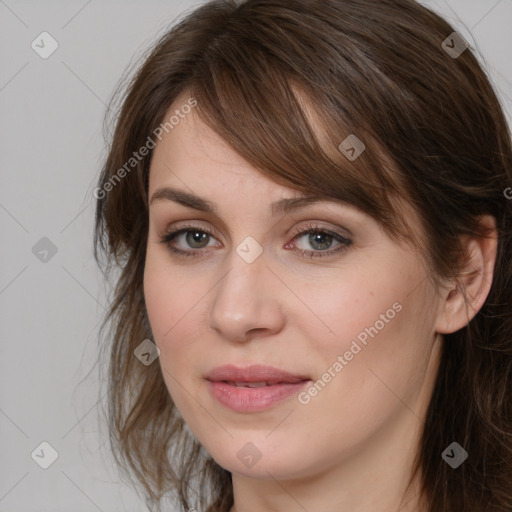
(243, 298)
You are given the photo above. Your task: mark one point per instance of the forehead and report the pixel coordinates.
(192, 139)
(194, 167)
(191, 143)
(192, 155)
(193, 158)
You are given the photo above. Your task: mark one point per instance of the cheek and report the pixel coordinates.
(169, 296)
(175, 305)
(371, 334)
(170, 306)
(352, 306)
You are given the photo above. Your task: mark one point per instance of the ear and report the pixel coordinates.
(464, 296)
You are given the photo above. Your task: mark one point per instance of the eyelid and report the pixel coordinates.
(299, 231)
(179, 230)
(314, 225)
(310, 224)
(194, 224)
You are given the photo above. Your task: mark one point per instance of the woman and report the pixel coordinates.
(306, 204)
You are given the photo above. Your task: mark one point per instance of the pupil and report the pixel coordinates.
(196, 237)
(317, 237)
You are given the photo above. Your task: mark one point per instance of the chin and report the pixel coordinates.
(252, 462)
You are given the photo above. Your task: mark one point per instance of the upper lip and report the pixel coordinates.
(253, 373)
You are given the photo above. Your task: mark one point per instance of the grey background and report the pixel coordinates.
(51, 149)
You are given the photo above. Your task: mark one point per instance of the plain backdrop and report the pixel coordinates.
(51, 293)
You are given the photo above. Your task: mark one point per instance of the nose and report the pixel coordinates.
(247, 301)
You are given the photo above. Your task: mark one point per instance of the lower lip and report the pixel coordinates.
(242, 399)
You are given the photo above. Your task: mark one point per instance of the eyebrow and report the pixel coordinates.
(198, 203)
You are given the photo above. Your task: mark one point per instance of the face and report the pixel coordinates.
(317, 302)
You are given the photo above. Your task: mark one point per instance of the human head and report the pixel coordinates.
(265, 98)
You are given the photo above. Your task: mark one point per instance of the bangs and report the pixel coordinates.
(291, 131)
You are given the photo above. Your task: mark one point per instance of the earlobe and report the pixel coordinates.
(463, 300)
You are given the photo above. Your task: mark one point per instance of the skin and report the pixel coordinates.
(351, 447)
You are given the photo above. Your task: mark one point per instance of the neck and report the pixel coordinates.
(376, 478)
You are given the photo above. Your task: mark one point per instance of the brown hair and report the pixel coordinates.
(435, 137)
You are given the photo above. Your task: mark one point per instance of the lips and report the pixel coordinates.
(254, 374)
(252, 384)
(253, 388)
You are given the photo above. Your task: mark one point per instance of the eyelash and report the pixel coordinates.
(310, 229)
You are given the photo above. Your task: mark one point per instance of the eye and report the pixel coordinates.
(193, 236)
(197, 238)
(321, 241)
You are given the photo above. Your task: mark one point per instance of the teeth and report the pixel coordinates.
(250, 384)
